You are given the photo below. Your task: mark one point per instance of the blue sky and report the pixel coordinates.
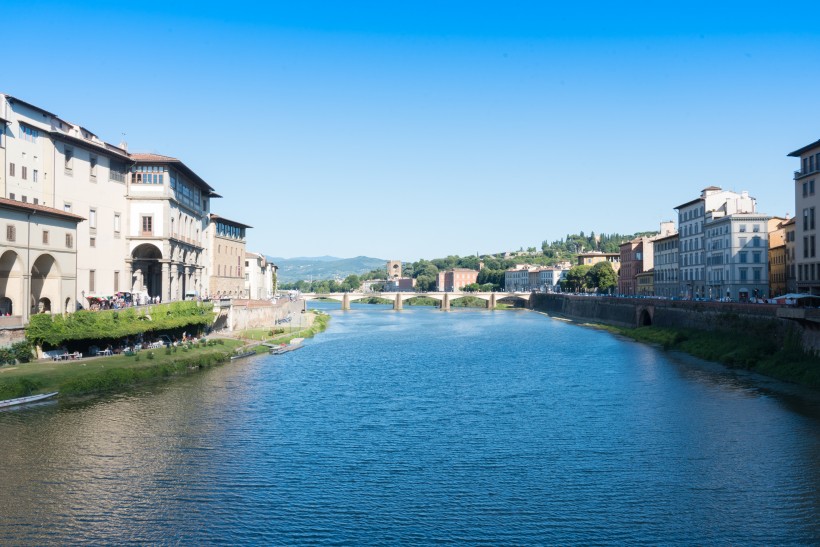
(421, 129)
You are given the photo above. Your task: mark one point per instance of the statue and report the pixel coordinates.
(137, 280)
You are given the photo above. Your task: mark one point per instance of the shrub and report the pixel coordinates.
(22, 351)
(150, 355)
(6, 356)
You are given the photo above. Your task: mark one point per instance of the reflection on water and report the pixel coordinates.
(419, 427)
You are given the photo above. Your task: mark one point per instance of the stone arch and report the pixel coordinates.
(644, 317)
(146, 259)
(45, 284)
(11, 282)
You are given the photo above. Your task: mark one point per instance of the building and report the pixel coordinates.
(777, 257)
(666, 283)
(146, 213)
(691, 222)
(594, 257)
(517, 278)
(645, 283)
(260, 277)
(51, 162)
(455, 279)
(38, 261)
(737, 248)
(226, 258)
(631, 259)
(638, 256)
(549, 278)
(400, 284)
(169, 208)
(791, 269)
(806, 205)
(393, 269)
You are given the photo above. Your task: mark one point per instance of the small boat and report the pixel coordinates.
(242, 355)
(29, 399)
(295, 344)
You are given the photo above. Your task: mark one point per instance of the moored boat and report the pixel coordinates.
(28, 399)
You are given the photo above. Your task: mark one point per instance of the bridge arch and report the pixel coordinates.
(645, 316)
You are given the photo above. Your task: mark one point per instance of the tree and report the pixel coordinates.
(576, 280)
(602, 277)
(351, 283)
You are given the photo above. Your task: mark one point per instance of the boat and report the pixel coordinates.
(295, 344)
(242, 355)
(29, 399)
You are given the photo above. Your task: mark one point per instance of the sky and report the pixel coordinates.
(425, 129)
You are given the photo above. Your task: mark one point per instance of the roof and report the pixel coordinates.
(159, 158)
(33, 208)
(797, 153)
(229, 221)
(106, 149)
(670, 236)
(788, 222)
(682, 205)
(4, 120)
(13, 100)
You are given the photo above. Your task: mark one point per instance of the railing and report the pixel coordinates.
(800, 173)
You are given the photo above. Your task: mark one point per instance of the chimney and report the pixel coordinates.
(123, 145)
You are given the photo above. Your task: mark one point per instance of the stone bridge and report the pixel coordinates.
(398, 298)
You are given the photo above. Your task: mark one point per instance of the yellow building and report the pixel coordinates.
(226, 264)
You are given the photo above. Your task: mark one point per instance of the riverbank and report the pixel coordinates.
(750, 350)
(97, 375)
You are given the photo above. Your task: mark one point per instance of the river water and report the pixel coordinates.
(424, 427)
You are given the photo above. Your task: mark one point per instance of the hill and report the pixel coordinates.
(323, 267)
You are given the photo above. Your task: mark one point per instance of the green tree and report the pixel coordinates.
(576, 280)
(602, 277)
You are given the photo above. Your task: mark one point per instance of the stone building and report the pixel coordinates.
(38, 261)
(260, 276)
(226, 257)
(806, 205)
(666, 283)
(455, 279)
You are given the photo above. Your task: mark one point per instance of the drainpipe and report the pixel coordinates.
(28, 269)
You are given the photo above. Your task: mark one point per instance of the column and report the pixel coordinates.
(445, 303)
(166, 282)
(397, 305)
(345, 302)
(491, 304)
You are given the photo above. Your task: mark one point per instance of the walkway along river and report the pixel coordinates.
(421, 426)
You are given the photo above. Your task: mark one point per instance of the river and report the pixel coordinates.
(421, 427)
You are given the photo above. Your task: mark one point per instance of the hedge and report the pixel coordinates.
(95, 325)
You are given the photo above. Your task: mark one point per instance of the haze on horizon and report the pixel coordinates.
(423, 130)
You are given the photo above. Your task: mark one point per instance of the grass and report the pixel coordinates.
(101, 374)
(743, 349)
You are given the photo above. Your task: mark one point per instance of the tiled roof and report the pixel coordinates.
(229, 221)
(32, 208)
(159, 158)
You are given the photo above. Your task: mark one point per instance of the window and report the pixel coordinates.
(28, 133)
(805, 189)
(69, 158)
(743, 257)
(92, 166)
(34, 175)
(744, 274)
(756, 274)
(11, 233)
(755, 227)
(812, 249)
(756, 241)
(24, 172)
(92, 278)
(92, 242)
(92, 218)
(756, 257)
(147, 225)
(805, 219)
(116, 223)
(11, 169)
(116, 281)
(25, 199)
(45, 237)
(67, 207)
(805, 247)
(811, 218)
(742, 227)
(116, 171)
(11, 195)
(811, 187)
(69, 241)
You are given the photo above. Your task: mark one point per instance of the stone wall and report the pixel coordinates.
(11, 336)
(254, 314)
(635, 312)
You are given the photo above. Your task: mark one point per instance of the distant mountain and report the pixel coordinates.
(324, 267)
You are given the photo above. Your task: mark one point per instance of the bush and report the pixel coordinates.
(22, 351)
(150, 355)
(6, 356)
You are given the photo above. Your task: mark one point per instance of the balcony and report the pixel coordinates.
(804, 173)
